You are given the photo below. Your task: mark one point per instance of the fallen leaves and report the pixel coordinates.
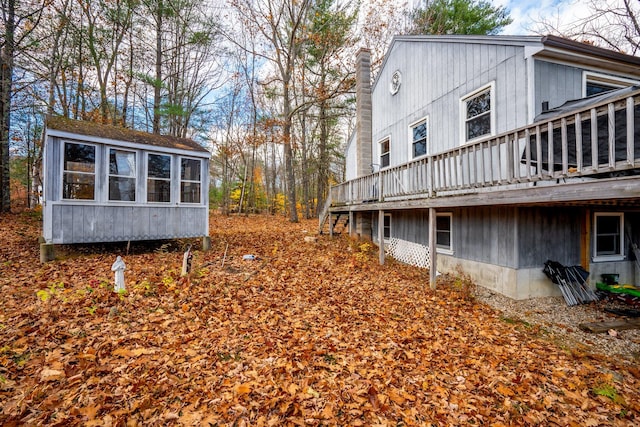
(306, 333)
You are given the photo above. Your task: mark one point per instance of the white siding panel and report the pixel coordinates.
(435, 76)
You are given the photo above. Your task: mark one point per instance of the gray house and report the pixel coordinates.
(501, 153)
(106, 184)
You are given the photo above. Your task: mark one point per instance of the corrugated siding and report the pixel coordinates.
(434, 78)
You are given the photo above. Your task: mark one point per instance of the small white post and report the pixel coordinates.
(186, 262)
(119, 267)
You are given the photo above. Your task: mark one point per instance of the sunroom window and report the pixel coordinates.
(79, 171)
(477, 113)
(190, 180)
(122, 175)
(158, 178)
(609, 236)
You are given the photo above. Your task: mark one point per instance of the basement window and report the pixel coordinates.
(386, 230)
(609, 236)
(443, 233)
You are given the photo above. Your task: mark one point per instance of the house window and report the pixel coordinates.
(384, 153)
(190, 178)
(609, 238)
(158, 178)
(477, 113)
(419, 138)
(386, 229)
(599, 83)
(122, 175)
(443, 232)
(79, 171)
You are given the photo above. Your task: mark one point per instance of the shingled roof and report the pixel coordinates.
(79, 127)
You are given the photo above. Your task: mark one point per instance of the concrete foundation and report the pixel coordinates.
(513, 283)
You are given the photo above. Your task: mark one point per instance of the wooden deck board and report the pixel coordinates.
(618, 325)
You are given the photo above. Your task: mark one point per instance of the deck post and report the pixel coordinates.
(206, 243)
(381, 236)
(351, 227)
(432, 248)
(330, 225)
(47, 252)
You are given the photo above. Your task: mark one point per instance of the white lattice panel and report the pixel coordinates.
(410, 253)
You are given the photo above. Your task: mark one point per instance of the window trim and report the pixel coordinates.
(96, 161)
(170, 179)
(412, 125)
(442, 249)
(491, 87)
(614, 257)
(386, 139)
(609, 80)
(134, 176)
(201, 198)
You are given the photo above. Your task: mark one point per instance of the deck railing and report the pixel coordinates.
(598, 141)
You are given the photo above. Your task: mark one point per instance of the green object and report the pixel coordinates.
(619, 289)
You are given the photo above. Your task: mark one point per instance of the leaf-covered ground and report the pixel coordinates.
(309, 333)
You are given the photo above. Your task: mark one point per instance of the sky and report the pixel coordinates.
(525, 13)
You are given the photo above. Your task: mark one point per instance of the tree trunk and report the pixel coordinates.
(288, 155)
(158, 79)
(6, 80)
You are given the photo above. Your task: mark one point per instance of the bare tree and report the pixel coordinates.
(19, 19)
(282, 25)
(612, 24)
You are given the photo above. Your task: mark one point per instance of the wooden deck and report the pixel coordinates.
(589, 156)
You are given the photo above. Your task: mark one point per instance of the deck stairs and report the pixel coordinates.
(335, 223)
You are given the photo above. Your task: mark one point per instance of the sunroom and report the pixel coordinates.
(108, 184)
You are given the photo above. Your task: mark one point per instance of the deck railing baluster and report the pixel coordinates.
(550, 161)
(594, 140)
(630, 131)
(578, 126)
(538, 153)
(611, 129)
(565, 146)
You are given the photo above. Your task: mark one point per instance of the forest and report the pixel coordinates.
(266, 86)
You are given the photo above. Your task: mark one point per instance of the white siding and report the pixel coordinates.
(435, 75)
